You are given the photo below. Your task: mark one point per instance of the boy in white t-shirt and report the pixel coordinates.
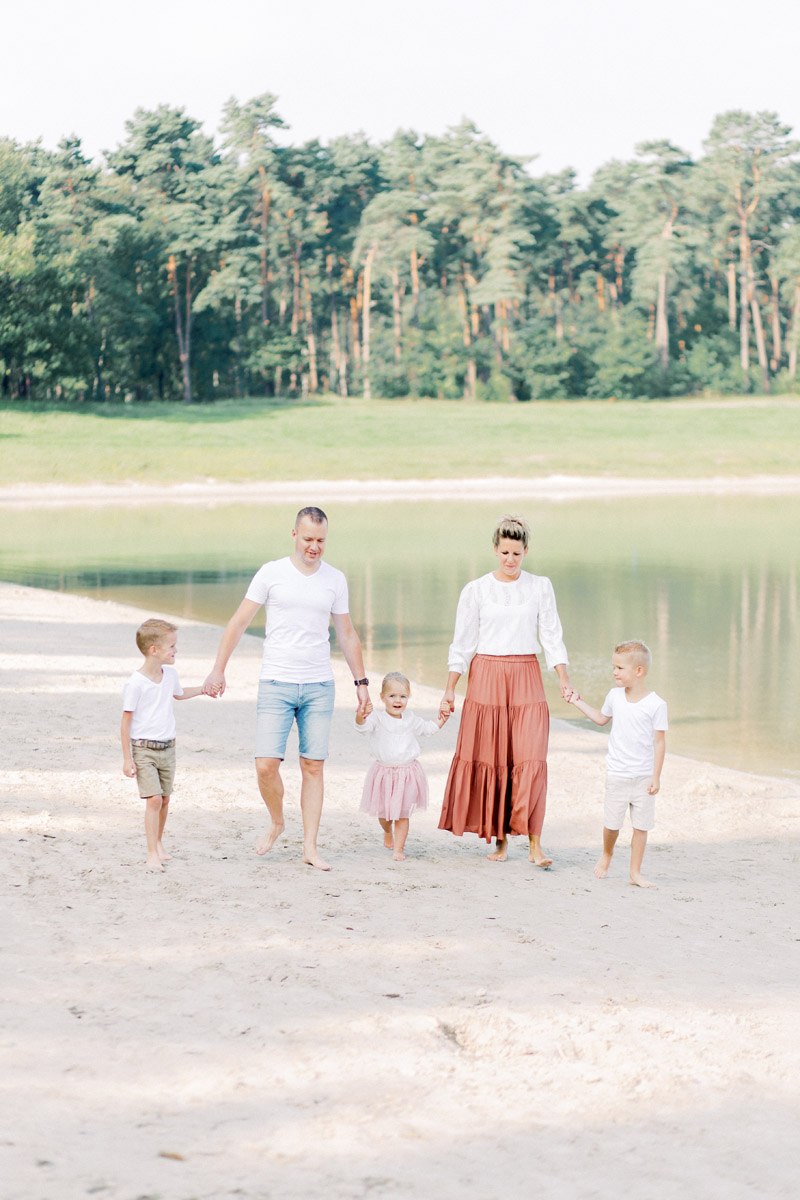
(148, 729)
(636, 749)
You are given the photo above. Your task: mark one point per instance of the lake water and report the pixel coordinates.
(710, 584)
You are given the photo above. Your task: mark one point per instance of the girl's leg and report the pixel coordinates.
(162, 820)
(638, 843)
(400, 835)
(388, 840)
(152, 817)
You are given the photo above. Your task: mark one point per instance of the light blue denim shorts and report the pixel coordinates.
(279, 704)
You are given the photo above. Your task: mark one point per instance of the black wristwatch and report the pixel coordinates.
(359, 682)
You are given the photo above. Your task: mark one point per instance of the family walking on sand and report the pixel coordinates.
(497, 784)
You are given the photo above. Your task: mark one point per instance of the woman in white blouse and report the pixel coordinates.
(498, 778)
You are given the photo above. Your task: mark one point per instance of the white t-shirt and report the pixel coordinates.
(630, 746)
(297, 647)
(394, 740)
(507, 618)
(151, 704)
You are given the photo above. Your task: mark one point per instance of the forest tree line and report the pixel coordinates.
(184, 268)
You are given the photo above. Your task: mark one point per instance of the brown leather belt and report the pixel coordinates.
(147, 744)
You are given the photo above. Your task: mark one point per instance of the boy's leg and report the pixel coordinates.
(152, 817)
(162, 820)
(400, 835)
(311, 796)
(270, 785)
(604, 862)
(388, 837)
(638, 844)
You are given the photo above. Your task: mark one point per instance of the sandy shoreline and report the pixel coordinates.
(552, 487)
(254, 1028)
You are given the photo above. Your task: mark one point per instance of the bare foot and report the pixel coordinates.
(398, 856)
(388, 841)
(638, 881)
(162, 854)
(154, 863)
(265, 843)
(602, 865)
(314, 860)
(539, 859)
(500, 854)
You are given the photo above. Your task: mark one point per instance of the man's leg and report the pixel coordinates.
(311, 796)
(270, 785)
(314, 713)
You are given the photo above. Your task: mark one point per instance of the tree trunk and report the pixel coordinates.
(744, 323)
(795, 332)
(777, 351)
(266, 200)
(398, 329)
(365, 330)
(183, 325)
(471, 377)
(311, 341)
(759, 332)
(662, 328)
(296, 290)
(732, 294)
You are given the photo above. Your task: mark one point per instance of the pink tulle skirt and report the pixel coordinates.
(394, 792)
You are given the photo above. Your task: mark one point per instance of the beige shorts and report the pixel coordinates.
(155, 770)
(623, 794)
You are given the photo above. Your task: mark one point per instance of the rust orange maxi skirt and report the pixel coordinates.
(498, 777)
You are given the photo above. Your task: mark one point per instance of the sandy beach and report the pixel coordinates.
(447, 1026)
(212, 492)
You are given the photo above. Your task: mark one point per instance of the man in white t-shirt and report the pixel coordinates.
(301, 595)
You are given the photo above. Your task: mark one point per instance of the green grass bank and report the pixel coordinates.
(235, 441)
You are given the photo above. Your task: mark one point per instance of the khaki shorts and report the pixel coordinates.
(629, 793)
(155, 770)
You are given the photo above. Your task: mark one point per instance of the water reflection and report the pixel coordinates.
(710, 584)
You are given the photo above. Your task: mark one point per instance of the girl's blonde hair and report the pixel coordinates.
(511, 527)
(395, 677)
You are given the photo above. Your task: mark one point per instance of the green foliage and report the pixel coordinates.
(427, 266)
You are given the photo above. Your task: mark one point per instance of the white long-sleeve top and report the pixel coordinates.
(507, 618)
(394, 741)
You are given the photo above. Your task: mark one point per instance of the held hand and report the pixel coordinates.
(566, 690)
(447, 705)
(364, 702)
(443, 718)
(214, 684)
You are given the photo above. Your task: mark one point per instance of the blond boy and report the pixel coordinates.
(636, 750)
(148, 729)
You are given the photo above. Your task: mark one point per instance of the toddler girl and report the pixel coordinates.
(395, 783)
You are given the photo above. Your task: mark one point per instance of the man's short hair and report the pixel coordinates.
(314, 514)
(153, 631)
(639, 652)
(511, 527)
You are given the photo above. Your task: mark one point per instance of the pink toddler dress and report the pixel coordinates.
(396, 784)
